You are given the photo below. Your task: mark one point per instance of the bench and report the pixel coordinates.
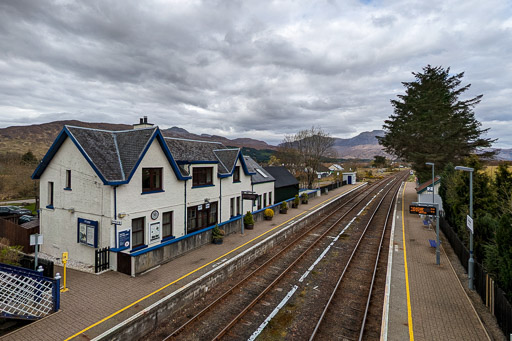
(433, 242)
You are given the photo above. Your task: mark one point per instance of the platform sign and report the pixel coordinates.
(422, 209)
(469, 223)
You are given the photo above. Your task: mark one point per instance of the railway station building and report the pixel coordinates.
(137, 192)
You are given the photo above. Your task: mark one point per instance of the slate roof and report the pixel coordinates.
(423, 187)
(283, 177)
(257, 178)
(114, 155)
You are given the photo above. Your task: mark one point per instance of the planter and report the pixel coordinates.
(283, 211)
(249, 226)
(218, 241)
(268, 218)
(294, 205)
(304, 202)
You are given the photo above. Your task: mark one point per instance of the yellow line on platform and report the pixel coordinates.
(194, 271)
(409, 311)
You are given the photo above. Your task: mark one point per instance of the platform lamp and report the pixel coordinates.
(471, 263)
(438, 251)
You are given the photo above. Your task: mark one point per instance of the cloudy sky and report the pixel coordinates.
(257, 69)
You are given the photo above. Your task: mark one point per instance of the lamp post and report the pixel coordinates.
(471, 263)
(438, 251)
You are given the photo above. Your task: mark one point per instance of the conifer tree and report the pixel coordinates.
(431, 124)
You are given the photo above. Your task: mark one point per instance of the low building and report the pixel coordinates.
(286, 186)
(349, 178)
(426, 192)
(136, 191)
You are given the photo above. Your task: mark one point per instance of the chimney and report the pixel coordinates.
(143, 123)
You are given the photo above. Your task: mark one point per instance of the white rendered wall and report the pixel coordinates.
(131, 203)
(87, 199)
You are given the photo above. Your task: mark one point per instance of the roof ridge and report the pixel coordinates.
(184, 139)
(219, 150)
(109, 131)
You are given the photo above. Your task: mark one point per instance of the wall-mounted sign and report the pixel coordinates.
(154, 232)
(154, 215)
(124, 238)
(87, 233)
(199, 207)
(116, 222)
(469, 223)
(247, 195)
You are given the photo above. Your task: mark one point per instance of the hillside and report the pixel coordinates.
(362, 146)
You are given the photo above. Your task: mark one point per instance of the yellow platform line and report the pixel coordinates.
(199, 268)
(409, 311)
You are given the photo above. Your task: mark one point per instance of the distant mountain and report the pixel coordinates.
(362, 146)
(39, 137)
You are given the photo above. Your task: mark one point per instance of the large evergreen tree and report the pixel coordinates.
(431, 124)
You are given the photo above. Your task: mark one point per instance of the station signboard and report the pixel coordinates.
(249, 195)
(422, 209)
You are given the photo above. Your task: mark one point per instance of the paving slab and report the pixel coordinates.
(97, 302)
(438, 305)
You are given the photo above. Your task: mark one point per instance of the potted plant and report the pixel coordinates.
(249, 220)
(268, 214)
(217, 235)
(304, 198)
(283, 208)
(296, 201)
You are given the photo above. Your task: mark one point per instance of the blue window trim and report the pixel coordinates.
(119, 249)
(202, 186)
(67, 189)
(168, 238)
(50, 207)
(140, 247)
(151, 192)
(237, 182)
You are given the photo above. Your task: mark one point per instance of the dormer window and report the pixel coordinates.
(236, 174)
(151, 179)
(202, 176)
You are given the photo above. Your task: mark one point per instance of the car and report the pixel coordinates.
(25, 219)
(13, 210)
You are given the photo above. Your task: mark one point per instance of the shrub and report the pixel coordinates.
(9, 254)
(284, 205)
(296, 200)
(304, 196)
(269, 213)
(248, 218)
(217, 233)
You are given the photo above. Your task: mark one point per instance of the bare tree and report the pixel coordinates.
(303, 152)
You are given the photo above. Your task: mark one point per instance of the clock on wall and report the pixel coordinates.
(154, 215)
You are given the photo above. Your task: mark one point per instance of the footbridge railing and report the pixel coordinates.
(27, 294)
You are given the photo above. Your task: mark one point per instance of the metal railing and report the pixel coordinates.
(27, 294)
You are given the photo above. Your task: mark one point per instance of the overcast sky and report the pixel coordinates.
(257, 69)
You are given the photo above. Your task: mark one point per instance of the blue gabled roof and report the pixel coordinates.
(113, 155)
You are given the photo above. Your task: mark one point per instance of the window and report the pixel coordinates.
(201, 216)
(68, 179)
(270, 198)
(259, 202)
(151, 179)
(167, 224)
(138, 231)
(202, 176)
(238, 206)
(50, 193)
(232, 207)
(264, 199)
(236, 174)
(261, 173)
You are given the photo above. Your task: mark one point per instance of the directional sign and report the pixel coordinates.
(249, 195)
(469, 223)
(422, 209)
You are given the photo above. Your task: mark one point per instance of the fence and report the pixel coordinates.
(28, 262)
(491, 294)
(27, 294)
(17, 235)
(101, 259)
(334, 185)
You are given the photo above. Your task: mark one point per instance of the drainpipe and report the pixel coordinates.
(115, 216)
(220, 200)
(185, 208)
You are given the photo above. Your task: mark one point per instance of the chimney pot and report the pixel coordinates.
(145, 119)
(141, 120)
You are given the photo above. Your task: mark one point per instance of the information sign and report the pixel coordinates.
(249, 195)
(469, 223)
(154, 232)
(36, 239)
(422, 209)
(124, 238)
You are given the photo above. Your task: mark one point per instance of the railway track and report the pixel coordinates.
(226, 316)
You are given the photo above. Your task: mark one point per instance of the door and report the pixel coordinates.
(349, 179)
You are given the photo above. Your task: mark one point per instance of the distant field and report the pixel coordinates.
(491, 170)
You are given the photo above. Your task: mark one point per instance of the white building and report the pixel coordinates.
(135, 189)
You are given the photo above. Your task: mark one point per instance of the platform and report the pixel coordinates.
(96, 303)
(424, 301)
